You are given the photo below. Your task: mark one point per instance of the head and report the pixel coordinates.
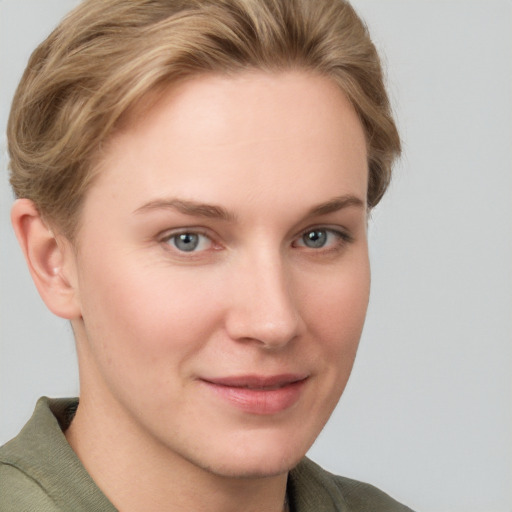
(196, 177)
(106, 58)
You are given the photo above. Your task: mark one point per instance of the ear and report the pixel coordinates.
(50, 258)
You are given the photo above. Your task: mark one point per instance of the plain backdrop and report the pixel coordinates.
(427, 415)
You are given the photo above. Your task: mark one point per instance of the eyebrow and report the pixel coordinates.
(188, 208)
(211, 211)
(335, 204)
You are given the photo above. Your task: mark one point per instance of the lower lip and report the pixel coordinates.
(260, 401)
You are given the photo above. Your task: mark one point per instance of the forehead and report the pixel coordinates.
(256, 131)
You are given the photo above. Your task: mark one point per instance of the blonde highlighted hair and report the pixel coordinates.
(108, 55)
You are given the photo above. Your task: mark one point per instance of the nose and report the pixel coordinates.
(263, 303)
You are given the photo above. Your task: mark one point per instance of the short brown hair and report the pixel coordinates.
(107, 55)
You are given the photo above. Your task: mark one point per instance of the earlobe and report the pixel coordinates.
(50, 259)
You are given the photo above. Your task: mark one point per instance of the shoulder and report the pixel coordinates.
(20, 493)
(20, 468)
(40, 472)
(314, 488)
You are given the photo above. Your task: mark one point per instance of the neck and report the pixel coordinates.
(110, 448)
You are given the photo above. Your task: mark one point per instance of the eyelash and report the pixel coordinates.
(342, 238)
(169, 237)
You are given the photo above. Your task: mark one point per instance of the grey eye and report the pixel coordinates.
(186, 241)
(315, 239)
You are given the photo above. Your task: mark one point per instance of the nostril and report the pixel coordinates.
(271, 329)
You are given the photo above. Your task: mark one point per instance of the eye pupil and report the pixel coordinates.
(315, 239)
(186, 241)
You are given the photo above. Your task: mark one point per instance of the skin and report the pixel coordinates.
(276, 158)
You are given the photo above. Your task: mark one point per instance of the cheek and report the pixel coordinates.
(335, 315)
(136, 313)
(339, 303)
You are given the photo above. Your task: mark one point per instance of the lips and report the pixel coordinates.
(256, 394)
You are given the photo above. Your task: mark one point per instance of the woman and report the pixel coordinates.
(194, 183)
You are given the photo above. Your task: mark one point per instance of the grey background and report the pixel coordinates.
(427, 415)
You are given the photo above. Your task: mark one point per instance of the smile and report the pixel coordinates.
(257, 394)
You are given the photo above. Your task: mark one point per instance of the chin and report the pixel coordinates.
(255, 460)
(250, 470)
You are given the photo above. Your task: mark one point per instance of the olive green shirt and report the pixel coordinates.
(40, 472)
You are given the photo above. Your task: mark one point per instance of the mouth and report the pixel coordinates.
(261, 395)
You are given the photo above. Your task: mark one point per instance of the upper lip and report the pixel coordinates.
(257, 381)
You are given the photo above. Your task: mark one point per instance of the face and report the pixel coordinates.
(222, 270)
